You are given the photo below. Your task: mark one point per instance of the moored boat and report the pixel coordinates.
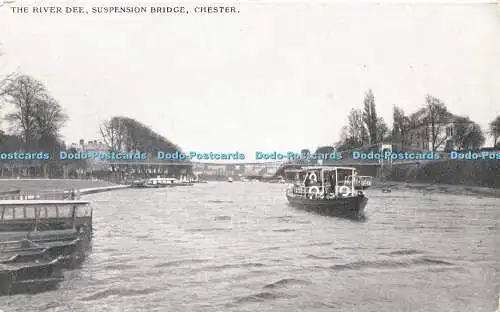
(319, 189)
(157, 182)
(183, 181)
(38, 238)
(229, 179)
(33, 230)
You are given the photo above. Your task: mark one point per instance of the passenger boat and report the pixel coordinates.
(154, 183)
(38, 238)
(318, 189)
(198, 180)
(183, 181)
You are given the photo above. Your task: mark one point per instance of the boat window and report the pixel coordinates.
(65, 212)
(18, 213)
(42, 213)
(50, 212)
(8, 213)
(83, 211)
(29, 213)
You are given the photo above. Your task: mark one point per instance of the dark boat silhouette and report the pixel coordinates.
(323, 191)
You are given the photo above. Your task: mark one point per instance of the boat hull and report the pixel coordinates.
(29, 277)
(362, 187)
(183, 184)
(348, 206)
(150, 185)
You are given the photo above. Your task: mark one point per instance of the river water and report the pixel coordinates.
(240, 247)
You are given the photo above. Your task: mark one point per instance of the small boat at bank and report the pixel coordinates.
(157, 182)
(198, 180)
(230, 179)
(37, 239)
(321, 191)
(183, 181)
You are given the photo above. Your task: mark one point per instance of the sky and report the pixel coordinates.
(277, 76)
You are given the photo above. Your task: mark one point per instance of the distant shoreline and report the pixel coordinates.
(444, 188)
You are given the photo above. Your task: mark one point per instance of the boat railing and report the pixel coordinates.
(304, 190)
(320, 191)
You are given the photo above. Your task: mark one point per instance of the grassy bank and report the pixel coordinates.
(35, 185)
(482, 173)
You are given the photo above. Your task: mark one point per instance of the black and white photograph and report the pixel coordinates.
(274, 155)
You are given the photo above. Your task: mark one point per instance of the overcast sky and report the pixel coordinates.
(275, 77)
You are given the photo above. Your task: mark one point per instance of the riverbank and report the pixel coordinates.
(464, 177)
(441, 188)
(48, 185)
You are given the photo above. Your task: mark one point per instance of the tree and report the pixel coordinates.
(354, 134)
(356, 130)
(467, 135)
(436, 118)
(325, 150)
(49, 119)
(24, 92)
(113, 134)
(382, 129)
(401, 125)
(127, 134)
(494, 130)
(370, 117)
(303, 152)
(37, 116)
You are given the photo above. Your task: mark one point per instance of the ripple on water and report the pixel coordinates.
(287, 282)
(177, 263)
(261, 297)
(119, 266)
(323, 257)
(216, 268)
(402, 252)
(196, 230)
(167, 255)
(387, 264)
(222, 218)
(120, 292)
(220, 201)
(284, 230)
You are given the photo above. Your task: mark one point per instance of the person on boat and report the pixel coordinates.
(332, 182)
(307, 183)
(313, 180)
